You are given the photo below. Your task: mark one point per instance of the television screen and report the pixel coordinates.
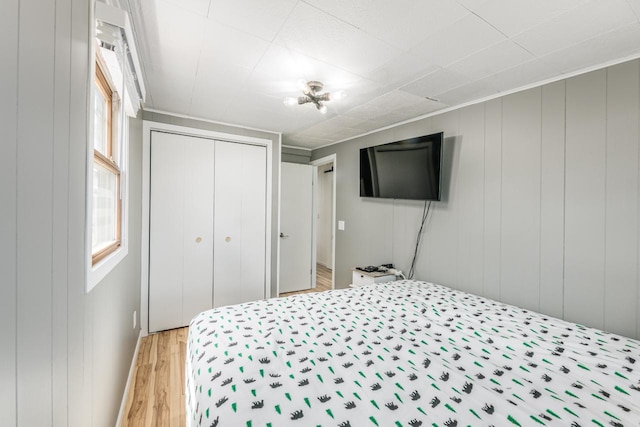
(407, 169)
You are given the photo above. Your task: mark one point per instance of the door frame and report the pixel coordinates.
(147, 128)
(332, 158)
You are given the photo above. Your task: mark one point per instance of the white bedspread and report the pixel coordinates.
(404, 354)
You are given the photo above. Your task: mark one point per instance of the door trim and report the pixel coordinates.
(318, 162)
(147, 128)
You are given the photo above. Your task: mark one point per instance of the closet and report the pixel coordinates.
(207, 226)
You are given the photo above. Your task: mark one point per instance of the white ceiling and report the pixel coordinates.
(234, 61)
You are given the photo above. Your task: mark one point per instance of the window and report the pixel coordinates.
(106, 196)
(115, 96)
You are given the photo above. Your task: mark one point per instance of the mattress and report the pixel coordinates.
(404, 353)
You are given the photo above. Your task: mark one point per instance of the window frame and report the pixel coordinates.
(107, 161)
(118, 57)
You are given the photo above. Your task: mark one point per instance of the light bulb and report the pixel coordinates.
(338, 95)
(304, 87)
(323, 109)
(290, 101)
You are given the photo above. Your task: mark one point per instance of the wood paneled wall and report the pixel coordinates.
(540, 201)
(51, 363)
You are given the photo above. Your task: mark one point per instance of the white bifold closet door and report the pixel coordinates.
(240, 223)
(181, 229)
(207, 226)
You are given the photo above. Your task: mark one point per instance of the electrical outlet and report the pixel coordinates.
(135, 318)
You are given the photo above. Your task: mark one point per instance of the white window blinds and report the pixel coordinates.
(115, 41)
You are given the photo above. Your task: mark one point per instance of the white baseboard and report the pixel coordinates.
(123, 404)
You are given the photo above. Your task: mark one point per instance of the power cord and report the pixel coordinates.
(397, 272)
(425, 214)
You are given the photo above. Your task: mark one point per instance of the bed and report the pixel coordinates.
(404, 353)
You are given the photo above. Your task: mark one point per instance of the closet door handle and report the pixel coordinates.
(284, 236)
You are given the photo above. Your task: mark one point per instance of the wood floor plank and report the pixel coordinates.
(143, 351)
(137, 412)
(161, 415)
(151, 400)
(176, 399)
(130, 397)
(149, 395)
(323, 277)
(153, 351)
(129, 410)
(183, 356)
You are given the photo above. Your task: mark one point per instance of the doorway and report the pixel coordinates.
(319, 255)
(324, 218)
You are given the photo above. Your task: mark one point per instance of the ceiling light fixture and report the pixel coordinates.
(311, 91)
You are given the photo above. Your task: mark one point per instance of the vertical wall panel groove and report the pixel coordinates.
(638, 219)
(606, 198)
(492, 198)
(585, 199)
(564, 204)
(8, 219)
(442, 232)
(552, 198)
(540, 203)
(401, 229)
(88, 416)
(470, 199)
(60, 211)
(621, 213)
(34, 215)
(501, 189)
(77, 177)
(520, 237)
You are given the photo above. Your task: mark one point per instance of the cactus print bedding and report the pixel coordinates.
(404, 353)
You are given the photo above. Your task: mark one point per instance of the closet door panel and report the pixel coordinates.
(253, 250)
(166, 235)
(227, 224)
(198, 227)
(239, 230)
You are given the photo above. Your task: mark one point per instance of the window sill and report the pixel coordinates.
(99, 271)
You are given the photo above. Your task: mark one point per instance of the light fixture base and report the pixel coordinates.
(315, 86)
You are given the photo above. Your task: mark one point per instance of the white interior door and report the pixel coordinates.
(181, 229)
(240, 223)
(296, 212)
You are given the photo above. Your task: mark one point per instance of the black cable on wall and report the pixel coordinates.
(425, 214)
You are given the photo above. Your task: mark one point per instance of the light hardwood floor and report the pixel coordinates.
(323, 282)
(156, 395)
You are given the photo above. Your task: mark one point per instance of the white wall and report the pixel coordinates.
(540, 205)
(65, 354)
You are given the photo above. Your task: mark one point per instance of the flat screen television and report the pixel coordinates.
(408, 169)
